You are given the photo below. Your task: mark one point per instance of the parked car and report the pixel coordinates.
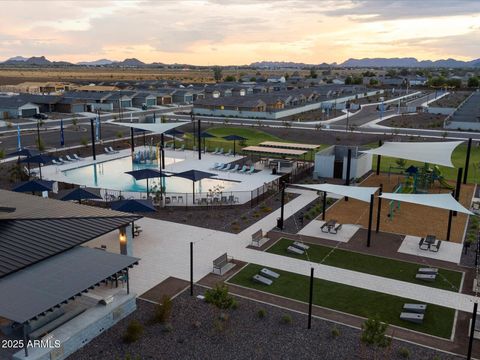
(41, 116)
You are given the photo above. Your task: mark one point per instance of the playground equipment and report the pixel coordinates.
(145, 155)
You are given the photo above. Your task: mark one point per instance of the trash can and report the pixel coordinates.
(274, 171)
(280, 223)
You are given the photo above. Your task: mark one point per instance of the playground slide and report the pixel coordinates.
(445, 184)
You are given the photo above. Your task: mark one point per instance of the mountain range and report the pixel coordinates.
(409, 62)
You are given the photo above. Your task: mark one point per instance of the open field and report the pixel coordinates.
(349, 299)
(374, 265)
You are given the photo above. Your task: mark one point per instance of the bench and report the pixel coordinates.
(412, 317)
(294, 250)
(300, 246)
(423, 245)
(415, 308)
(258, 238)
(336, 229)
(435, 247)
(262, 280)
(430, 271)
(269, 273)
(52, 325)
(426, 277)
(221, 263)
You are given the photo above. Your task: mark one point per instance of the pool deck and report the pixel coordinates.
(242, 182)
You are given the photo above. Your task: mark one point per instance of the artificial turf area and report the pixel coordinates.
(365, 303)
(374, 265)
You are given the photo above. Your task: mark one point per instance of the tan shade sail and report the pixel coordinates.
(274, 151)
(439, 153)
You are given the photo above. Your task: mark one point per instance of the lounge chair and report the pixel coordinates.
(112, 150)
(181, 148)
(230, 152)
(269, 273)
(251, 170)
(55, 162)
(423, 245)
(216, 165)
(107, 151)
(69, 158)
(227, 168)
(262, 280)
(235, 168)
(243, 170)
(61, 159)
(214, 152)
(220, 152)
(75, 156)
(435, 247)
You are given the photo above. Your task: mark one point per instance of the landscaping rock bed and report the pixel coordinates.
(197, 330)
(417, 121)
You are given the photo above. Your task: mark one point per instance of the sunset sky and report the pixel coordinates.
(207, 32)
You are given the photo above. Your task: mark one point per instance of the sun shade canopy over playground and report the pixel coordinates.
(157, 128)
(439, 153)
(284, 145)
(354, 192)
(441, 201)
(273, 151)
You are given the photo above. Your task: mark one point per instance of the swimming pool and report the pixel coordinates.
(111, 175)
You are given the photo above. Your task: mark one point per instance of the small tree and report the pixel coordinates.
(401, 163)
(163, 311)
(219, 297)
(134, 332)
(374, 334)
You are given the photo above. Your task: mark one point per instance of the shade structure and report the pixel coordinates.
(142, 174)
(356, 192)
(205, 135)
(157, 128)
(194, 176)
(39, 159)
(234, 138)
(79, 194)
(34, 186)
(133, 206)
(441, 201)
(173, 133)
(24, 152)
(439, 153)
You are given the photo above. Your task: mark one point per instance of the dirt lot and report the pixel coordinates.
(417, 121)
(451, 100)
(410, 219)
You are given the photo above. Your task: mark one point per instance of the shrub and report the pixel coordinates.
(404, 352)
(374, 333)
(134, 332)
(261, 313)
(286, 319)
(335, 332)
(167, 327)
(163, 310)
(84, 141)
(219, 297)
(2, 153)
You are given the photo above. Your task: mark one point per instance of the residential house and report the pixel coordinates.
(12, 107)
(94, 100)
(181, 96)
(144, 99)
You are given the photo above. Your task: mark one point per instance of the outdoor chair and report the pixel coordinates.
(231, 199)
(61, 159)
(300, 246)
(423, 245)
(107, 151)
(412, 317)
(54, 162)
(235, 168)
(336, 229)
(227, 167)
(167, 200)
(77, 157)
(435, 247)
(230, 152)
(220, 152)
(415, 308)
(216, 201)
(216, 166)
(214, 152)
(223, 199)
(112, 150)
(251, 171)
(243, 170)
(69, 158)
(262, 280)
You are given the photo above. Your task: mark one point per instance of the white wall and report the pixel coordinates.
(440, 110)
(324, 163)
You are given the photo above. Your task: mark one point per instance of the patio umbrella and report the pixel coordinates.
(33, 186)
(194, 175)
(147, 174)
(39, 159)
(80, 194)
(205, 135)
(234, 138)
(24, 152)
(173, 133)
(133, 206)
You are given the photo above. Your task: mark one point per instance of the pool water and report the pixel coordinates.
(111, 175)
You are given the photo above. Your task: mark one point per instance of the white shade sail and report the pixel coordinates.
(439, 153)
(157, 128)
(441, 201)
(354, 192)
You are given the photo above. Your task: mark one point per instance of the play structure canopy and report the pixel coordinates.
(354, 192)
(439, 153)
(157, 128)
(441, 201)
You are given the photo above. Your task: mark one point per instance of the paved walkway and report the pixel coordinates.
(164, 251)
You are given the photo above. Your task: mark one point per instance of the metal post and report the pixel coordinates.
(128, 282)
(162, 150)
(449, 225)
(132, 144)
(25, 342)
(310, 300)
(199, 130)
(92, 133)
(467, 160)
(370, 216)
(38, 134)
(472, 331)
(458, 187)
(379, 209)
(191, 268)
(324, 205)
(99, 125)
(280, 220)
(379, 158)
(194, 127)
(349, 163)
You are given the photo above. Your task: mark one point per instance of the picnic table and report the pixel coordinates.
(329, 225)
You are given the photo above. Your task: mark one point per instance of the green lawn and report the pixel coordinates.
(365, 303)
(375, 265)
(458, 159)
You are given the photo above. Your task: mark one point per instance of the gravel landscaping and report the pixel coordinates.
(451, 100)
(417, 121)
(196, 332)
